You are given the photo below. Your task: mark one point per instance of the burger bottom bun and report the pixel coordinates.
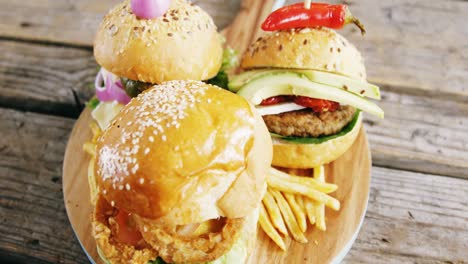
(304, 156)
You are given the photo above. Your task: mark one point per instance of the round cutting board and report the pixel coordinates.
(351, 172)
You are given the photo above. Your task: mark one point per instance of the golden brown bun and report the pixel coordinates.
(181, 45)
(303, 156)
(185, 152)
(318, 49)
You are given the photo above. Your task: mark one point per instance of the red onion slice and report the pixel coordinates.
(112, 90)
(148, 9)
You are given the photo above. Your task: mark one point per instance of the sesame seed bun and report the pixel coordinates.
(184, 152)
(181, 45)
(317, 49)
(305, 156)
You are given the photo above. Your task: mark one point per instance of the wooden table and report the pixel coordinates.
(417, 51)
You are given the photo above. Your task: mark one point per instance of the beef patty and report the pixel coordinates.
(306, 123)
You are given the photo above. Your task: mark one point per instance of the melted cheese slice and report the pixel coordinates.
(105, 112)
(278, 108)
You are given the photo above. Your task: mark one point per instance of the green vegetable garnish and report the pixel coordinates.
(157, 261)
(134, 88)
(220, 80)
(92, 103)
(230, 61)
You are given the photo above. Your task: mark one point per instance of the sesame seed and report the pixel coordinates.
(112, 203)
(160, 108)
(127, 186)
(147, 150)
(145, 228)
(170, 34)
(142, 181)
(104, 191)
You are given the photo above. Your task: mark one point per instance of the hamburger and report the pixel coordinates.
(171, 172)
(309, 85)
(135, 52)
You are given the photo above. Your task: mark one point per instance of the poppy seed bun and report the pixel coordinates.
(181, 45)
(317, 49)
(305, 156)
(184, 152)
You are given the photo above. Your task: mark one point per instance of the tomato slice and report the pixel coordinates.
(317, 105)
(276, 100)
(126, 230)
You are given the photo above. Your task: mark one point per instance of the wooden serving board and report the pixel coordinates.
(351, 173)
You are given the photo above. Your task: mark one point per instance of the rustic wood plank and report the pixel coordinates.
(45, 78)
(421, 132)
(33, 222)
(413, 43)
(75, 22)
(411, 217)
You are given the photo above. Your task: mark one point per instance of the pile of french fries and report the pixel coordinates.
(90, 148)
(292, 200)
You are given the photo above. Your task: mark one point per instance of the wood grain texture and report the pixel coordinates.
(416, 44)
(75, 22)
(48, 79)
(33, 222)
(412, 217)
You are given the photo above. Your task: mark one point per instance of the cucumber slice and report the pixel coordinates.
(297, 84)
(331, 79)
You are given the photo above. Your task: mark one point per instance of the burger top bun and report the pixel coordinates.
(183, 44)
(185, 152)
(317, 49)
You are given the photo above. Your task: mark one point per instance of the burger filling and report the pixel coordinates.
(123, 237)
(306, 106)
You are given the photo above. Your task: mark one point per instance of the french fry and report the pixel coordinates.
(297, 188)
(297, 210)
(307, 181)
(319, 175)
(310, 210)
(274, 212)
(269, 229)
(288, 217)
(93, 189)
(96, 131)
(90, 148)
(300, 201)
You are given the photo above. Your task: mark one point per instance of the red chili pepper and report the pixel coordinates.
(126, 232)
(318, 15)
(317, 105)
(276, 100)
